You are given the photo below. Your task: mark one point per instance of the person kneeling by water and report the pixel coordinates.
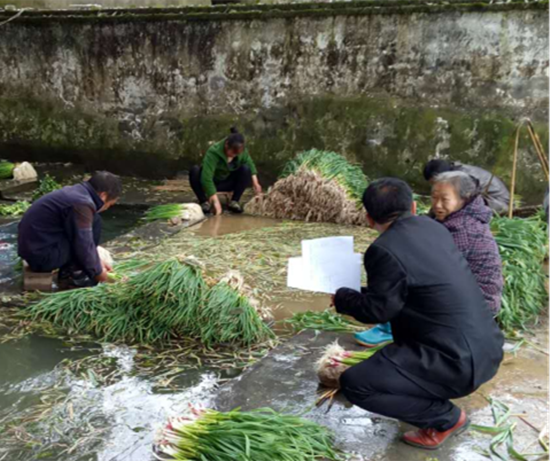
(227, 167)
(446, 343)
(62, 230)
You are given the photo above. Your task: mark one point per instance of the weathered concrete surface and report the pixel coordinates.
(285, 380)
(388, 87)
(95, 4)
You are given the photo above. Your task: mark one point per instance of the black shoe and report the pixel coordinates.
(235, 207)
(206, 207)
(81, 280)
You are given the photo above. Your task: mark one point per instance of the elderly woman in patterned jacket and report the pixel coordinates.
(458, 205)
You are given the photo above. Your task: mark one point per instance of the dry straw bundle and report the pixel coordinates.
(317, 186)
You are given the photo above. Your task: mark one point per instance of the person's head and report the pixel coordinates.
(435, 167)
(386, 200)
(108, 186)
(234, 143)
(451, 191)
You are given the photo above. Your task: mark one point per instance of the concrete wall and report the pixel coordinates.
(90, 4)
(388, 87)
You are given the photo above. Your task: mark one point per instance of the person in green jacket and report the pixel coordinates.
(227, 167)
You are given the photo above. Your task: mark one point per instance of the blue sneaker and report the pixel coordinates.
(376, 336)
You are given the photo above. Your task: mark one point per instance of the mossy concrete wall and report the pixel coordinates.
(389, 87)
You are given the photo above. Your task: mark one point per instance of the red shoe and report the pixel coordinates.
(431, 439)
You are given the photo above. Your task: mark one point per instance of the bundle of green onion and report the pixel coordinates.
(17, 209)
(47, 185)
(6, 170)
(257, 435)
(523, 245)
(336, 360)
(326, 320)
(168, 300)
(163, 212)
(330, 165)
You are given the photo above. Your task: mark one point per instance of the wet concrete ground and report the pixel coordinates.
(286, 381)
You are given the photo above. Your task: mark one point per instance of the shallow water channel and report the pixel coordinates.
(33, 380)
(56, 405)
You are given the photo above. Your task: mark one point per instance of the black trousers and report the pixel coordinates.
(236, 182)
(61, 255)
(379, 386)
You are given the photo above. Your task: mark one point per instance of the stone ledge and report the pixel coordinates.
(259, 12)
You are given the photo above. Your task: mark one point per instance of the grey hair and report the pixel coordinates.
(464, 185)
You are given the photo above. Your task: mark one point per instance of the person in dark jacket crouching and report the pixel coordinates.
(62, 229)
(446, 343)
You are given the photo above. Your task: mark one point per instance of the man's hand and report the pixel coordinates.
(106, 266)
(103, 277)
(215, 202)
(256, 185)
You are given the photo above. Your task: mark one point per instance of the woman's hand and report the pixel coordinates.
(215, 202)
(256, 185)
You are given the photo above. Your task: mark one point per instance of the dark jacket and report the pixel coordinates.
(62, 221)
(442, 327)
(472, 235)
(216, 167)
(494, 191)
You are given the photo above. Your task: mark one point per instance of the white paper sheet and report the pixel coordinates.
(321, 249)
(330, 264)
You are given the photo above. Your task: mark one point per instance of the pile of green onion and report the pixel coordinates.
(6, 170)
(331, 166)
(523, 246)
(257, 435)
(17, 209)
(169, 300)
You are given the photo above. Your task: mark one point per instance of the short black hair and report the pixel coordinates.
(387, 198)
(103, 181)
(235, 139)
(436, 166)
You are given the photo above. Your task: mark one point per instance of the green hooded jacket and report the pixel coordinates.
(215, 166)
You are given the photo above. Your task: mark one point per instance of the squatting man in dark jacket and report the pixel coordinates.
(62, 230)
(446, 342)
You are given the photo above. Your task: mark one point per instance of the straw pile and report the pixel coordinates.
(257, 435)
(172, 299)
(335, 360)
(316, 186)
(523, 246)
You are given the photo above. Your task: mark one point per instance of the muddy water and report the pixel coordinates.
(217, 226)
(48, 412)
(9, 275)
